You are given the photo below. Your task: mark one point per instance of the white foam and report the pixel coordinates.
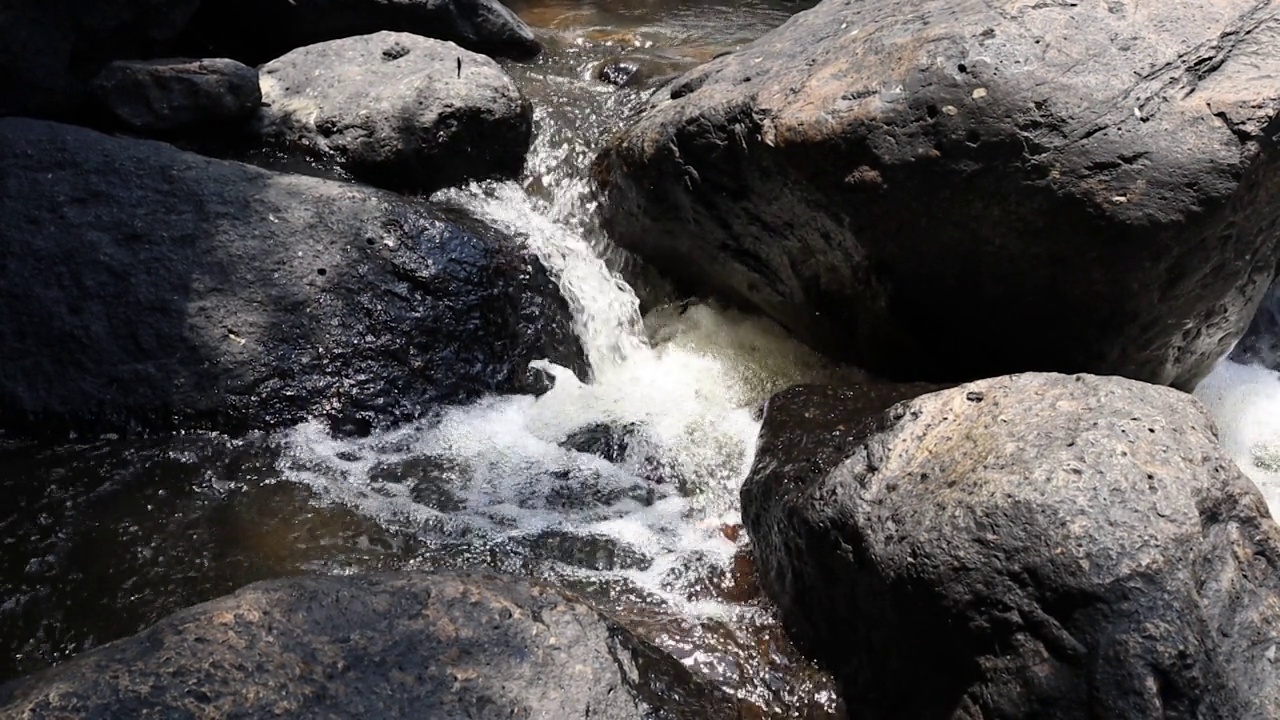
(686, 380)
(1245, 403)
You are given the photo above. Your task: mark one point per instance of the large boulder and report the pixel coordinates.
(383, 646)
(162, 97)
(1261, 343)
(257, 30)
(398, 110)
(49, 49)
(148, 287)
(1033, 546)
(951, 190)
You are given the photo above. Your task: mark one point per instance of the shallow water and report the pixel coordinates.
(624, 488)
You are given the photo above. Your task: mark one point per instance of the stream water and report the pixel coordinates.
(625, 488)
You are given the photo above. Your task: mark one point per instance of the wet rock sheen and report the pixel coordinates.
(150, 288)
(1033, 546)
(949, 190)
(396, 645)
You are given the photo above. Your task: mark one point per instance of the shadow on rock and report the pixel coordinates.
(384, 646)
(148, 288)
(1032, 546)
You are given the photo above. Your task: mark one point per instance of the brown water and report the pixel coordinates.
(101, 538)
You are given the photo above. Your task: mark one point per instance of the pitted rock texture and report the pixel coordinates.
(943, 190)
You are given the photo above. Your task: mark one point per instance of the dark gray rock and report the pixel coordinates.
(161, 97)
(398, 110)
(256, 31)
(1033, 546)
(943, 191)
(148, 287)
(49, 49)
(383, 646)
(643, 69)
(1261, 342)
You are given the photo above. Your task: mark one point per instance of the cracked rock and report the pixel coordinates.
(943, 191)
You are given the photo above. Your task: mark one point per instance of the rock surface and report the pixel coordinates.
(158, 97)
(398, 110)
(49, 49)
(147, 287)
(256, 31)
(949, 190)
(1034, 546)
(1261, 343)
(382, 646)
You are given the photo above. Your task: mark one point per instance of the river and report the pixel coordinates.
(624, 488)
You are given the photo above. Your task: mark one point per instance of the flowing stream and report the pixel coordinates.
(624, 488)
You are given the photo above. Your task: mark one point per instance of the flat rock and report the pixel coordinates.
(948, 190)
(396, 645)
(151, 288)
(398, 110)
(160, 97)
(1031, 546)
(256, 31)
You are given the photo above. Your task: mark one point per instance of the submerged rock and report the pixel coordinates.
(939, 191)
(49, 49)
(159, 97)
(643, 68)
(1261, 343)
(257, 30)
(1034, 546)
(150, 288)
(383, 646)
(398, 110)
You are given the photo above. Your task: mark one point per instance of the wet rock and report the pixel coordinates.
(256, 31)
(607, 440)
(160, 97)
(643, 69)
(938, 192)
(1033, 546)
(151, 288)
(398, 110)
(1261, 343)
(386, 646)
(50, 49)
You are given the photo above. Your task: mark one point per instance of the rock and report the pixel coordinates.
(1261, 342)
(151, 288)
(49, 49)
(1033, 546)
(159, 97)
(389, 646)
(643, 68)
(398, 110)
(256, 31)
(942, 191)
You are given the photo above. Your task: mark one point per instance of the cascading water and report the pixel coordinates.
(1245, 403)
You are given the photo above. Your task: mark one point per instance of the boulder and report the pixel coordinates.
(257, 30)
(161, 97)
(1083, 186)
(1032, 546)
(49, 49)
(390, 646)
(1261, 342)
(398, 110)
(150, 288)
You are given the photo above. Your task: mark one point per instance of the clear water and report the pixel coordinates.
(624, 488)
